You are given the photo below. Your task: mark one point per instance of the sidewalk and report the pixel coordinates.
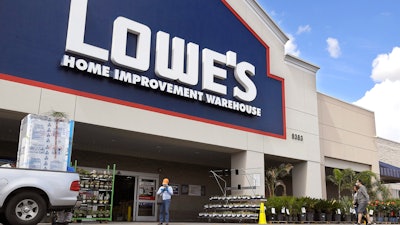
(152, 223)
(186, 223)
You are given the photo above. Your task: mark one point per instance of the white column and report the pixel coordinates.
(250, 172)
(307, 180)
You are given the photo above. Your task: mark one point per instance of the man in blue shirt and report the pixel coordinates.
(165, 192)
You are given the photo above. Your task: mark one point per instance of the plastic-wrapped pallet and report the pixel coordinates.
(45, 143)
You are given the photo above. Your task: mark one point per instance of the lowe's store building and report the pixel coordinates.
(198, 91)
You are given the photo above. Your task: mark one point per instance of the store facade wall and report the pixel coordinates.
(289, 120)
(347, 136)
(302, 141)
(294, 90)
(389, 152)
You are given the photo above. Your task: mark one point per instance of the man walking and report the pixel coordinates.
(362, 200)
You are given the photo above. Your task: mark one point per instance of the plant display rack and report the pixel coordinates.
(96, 195)
(232, 208)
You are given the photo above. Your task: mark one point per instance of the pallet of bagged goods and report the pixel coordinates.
(45, 142)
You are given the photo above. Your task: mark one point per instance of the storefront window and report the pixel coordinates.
(147, 189)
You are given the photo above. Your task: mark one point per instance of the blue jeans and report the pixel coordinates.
(164, 211)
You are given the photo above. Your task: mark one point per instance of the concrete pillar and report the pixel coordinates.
(247, 171)
(307, 179)
(323, 178)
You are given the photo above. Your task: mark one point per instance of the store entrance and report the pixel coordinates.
(146, 204)
(135, 196)
(124, 196)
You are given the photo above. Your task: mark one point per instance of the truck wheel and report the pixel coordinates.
(25, 208)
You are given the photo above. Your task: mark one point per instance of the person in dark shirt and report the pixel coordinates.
(362, 200)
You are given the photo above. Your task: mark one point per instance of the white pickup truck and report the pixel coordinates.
(26, 195)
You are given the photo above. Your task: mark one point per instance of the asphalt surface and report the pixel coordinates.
(186, 223)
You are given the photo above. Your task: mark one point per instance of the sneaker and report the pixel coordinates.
(159, 223)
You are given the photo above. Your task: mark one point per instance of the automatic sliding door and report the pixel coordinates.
(146, 199)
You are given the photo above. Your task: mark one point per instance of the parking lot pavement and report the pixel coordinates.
(152, 223)
(180, 223)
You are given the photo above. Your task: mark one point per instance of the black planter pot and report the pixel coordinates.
(347, 218)
(302, 217)
(328, 216)
(321, 217)
(271, 217)
(295, 218)
(337, 218)
(310, 216)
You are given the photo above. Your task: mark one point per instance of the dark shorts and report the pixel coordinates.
(362, 207)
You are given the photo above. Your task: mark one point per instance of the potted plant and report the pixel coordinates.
(346, 204)
(296, 205)
(106, 213)
(94, 199)
(301, 207)
(309, 204)
(274, 206)
(287, 208)
(321, 207)
(268, 210)
(332, 209)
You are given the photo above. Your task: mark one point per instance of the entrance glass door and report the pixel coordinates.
(146, 199)
(124, 197)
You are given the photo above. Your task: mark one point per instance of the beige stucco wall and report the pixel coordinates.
(347, 135)
(347, 132)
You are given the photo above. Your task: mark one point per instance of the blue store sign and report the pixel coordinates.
(194, 59)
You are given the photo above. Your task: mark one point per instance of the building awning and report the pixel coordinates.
(389, 173)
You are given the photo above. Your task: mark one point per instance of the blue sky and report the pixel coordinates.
(356, 44)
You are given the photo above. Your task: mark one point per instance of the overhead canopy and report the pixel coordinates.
(389, 173)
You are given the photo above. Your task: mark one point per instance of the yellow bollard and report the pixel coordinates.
(129, 216)
(262, 218)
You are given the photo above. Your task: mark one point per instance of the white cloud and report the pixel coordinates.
(333, 47)
(383, 99)
(387, 66)
(303, 29)
(291, 46)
